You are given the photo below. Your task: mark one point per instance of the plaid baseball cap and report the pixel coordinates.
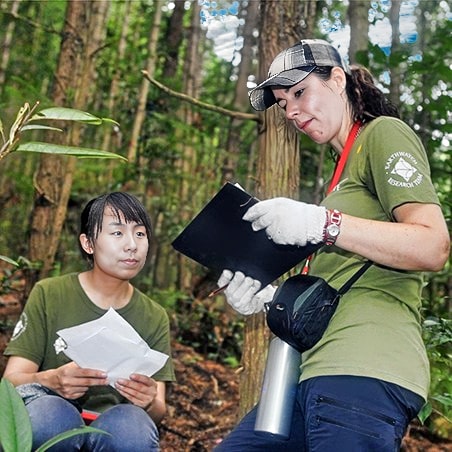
(292, 65)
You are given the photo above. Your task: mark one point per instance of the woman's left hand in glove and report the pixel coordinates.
(244, 293)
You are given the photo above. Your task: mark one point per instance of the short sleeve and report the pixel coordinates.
(28, 338)
(397, 167)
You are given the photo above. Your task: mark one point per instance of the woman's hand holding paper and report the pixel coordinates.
(243, 292)
(288, 222)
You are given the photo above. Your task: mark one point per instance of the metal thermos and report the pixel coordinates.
(279, 390)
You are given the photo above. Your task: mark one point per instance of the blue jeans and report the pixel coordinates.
(336, 414)
(130, 427)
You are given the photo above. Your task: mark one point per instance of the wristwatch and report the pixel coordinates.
(332, 226)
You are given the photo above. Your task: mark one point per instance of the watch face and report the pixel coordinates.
(333, 230)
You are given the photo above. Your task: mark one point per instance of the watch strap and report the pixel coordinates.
(332, 227)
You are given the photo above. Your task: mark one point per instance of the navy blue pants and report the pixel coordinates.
(335, 414)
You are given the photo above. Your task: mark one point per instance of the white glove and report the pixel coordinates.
(243, 292)
(288, 222)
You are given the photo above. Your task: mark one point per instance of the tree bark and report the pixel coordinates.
(53, 179)
(173, 38)
(189, 117)
(396, 71)
(144, 88)
(125, 13)
(241, 102)
(278, 166)
(6, 44)
(358, 13)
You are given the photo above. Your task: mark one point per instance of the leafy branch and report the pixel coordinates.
(26, 120)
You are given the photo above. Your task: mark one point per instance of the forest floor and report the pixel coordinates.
(203, 403)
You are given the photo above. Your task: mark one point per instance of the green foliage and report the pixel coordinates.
(29, 119)
(70, 114)
(167, 298)
(25, 120)
(437, 334)
(8, 276)
(80, 152)
(8, 260)
(10, 283)
(15, 426)
(209, 329)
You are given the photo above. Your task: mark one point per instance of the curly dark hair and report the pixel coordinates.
(367, 101)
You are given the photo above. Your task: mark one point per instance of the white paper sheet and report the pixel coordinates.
(112, 345)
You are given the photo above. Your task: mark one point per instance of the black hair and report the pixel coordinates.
(122, 204)
(367, 101)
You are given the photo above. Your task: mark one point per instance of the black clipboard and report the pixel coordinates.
(218, 238)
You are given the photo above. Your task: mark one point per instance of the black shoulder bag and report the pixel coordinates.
(303, 306)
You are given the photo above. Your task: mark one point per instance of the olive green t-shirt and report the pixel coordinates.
(376, 330)
(60, 302)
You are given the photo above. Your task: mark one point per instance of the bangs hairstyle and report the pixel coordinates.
(122, 204)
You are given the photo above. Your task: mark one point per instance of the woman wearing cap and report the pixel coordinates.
(368, 376)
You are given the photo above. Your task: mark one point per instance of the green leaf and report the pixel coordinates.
(9, 260)
(49, 148)
(66, 114)
(112, 121)
(18, 122)
(15, 427)
(445, 399)
(62, 436)
(2, 133)
(40, 127)
(70, 114)
(425, 412)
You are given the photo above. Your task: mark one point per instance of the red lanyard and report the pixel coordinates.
(340, 165)
(339, 168)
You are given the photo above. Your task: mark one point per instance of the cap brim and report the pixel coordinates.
(262, 96)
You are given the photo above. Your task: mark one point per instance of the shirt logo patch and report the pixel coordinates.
(401, 169)
(60, 345)
(21, 326)
(339, 184)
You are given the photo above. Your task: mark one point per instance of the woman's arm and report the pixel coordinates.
(20, 371)
(157, 409)
(418, 240)
(145, 392)
(70, 380)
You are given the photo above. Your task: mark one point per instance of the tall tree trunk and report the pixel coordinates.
(173, 38)
(358, 15)
(6, 44)
(161, 261)
(396, 71)
(192, 74)
(53, 179)
(241, 102)
(423, 117)
(123, 12)
(278, 167)
(144, 88)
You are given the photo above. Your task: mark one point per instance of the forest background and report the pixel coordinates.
(174, 77)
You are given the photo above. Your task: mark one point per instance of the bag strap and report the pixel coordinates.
(338, 169)
(354, 278)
